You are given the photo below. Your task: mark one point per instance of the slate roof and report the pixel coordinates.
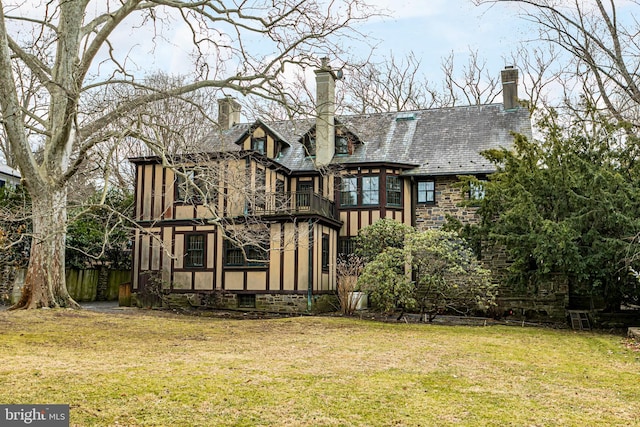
(444, 141)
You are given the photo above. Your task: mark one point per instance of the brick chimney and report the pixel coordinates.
(325, 112)
(510, 87)
(228, 112)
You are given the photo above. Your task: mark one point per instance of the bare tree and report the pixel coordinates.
(473, 84)
(601, 40)
(391, 85)
(173, 125)
(398, 85)
(70, 50)
(541, 73)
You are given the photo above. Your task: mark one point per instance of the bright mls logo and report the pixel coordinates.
(34, 415)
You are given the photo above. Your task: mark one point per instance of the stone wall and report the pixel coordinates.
(545, 301)
(448, 200)
(547, 304)
(274, 303)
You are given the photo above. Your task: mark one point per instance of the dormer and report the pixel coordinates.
(308, 140)
(345, 141)
(262, 139)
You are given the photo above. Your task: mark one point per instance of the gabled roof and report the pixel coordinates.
(265, 125)
(443, 141)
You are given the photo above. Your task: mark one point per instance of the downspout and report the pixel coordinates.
(310, 284)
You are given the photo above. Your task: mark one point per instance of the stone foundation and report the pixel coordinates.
(548, 301)
(274, 303)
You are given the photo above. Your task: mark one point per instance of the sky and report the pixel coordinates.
(432, 29)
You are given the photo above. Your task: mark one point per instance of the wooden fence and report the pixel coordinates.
(86, 285)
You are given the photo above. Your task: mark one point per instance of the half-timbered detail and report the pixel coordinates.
(260, 222)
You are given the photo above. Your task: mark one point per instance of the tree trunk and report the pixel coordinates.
(45, 282)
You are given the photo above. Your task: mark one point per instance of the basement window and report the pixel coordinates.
(246, 300)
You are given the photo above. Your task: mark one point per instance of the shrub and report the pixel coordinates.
(448, 275)
(386, 282)
(377, 237)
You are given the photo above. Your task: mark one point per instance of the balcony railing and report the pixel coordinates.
(294, 203)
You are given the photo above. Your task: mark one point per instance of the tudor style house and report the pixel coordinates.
(9, 176)
(306, 187)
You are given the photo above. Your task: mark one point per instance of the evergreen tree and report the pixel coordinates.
(570, 206)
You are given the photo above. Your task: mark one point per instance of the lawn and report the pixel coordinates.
(149, 368)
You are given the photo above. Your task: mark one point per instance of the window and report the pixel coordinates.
(303, 193)
(476, 190)
(196, 186)
(259, 145)
(281, 197)
(309, 143)
(349, 191)
(246, 300)
(426, 192)
(325, 252)
(2, 183)
(370, 190)
(194, 250)
(186, 191)
(342, 145)
(346, 245)
(234, 255)
(260, 189)
(394, 191)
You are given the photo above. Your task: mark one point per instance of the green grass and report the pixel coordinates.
(156, 369)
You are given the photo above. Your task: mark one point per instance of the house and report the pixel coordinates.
(8, 176)
(259, 219)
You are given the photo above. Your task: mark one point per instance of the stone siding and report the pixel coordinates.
(448, 199)
(548, 301)
(275, 303)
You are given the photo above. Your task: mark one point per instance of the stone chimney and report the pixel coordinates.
(325, 112)
(228, 112)
(510, 88)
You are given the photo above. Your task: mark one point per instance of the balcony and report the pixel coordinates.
(294, 203)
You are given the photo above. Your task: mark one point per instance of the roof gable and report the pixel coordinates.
(259, 123)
